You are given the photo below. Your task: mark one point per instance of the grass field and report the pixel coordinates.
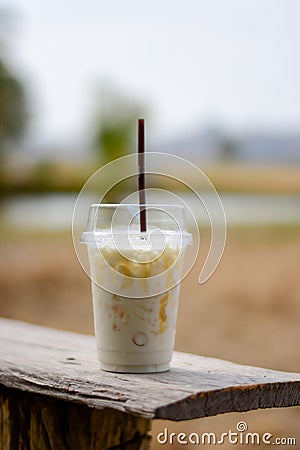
(248, 312)
(227, 177)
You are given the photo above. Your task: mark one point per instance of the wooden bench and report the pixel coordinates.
(53, 395)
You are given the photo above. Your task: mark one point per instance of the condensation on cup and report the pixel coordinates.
(135, 283)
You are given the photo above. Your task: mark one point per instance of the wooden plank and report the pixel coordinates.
(39, 422)
(63, 365)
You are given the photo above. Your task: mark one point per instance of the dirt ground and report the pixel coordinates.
(248, 312)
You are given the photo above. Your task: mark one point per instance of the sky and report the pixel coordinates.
(192, 63)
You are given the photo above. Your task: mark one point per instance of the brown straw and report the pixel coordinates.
(141, 162)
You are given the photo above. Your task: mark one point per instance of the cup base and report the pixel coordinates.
(145, 368)
(134, 362)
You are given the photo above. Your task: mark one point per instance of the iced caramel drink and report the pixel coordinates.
(135, 288)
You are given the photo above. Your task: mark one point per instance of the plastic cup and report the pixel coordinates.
(135, 284)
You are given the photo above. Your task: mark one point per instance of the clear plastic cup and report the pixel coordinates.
(135, 283)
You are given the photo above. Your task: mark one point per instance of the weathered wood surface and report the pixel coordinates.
(35, 422)
(63, 365)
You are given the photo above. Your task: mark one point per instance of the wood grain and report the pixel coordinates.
(63, 365)
(38, 422)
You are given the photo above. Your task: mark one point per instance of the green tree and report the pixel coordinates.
(115, 125)
(228, 149)
(13, 115)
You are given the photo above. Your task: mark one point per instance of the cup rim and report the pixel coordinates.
(113, 205)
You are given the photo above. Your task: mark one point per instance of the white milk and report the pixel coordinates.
(135, 334)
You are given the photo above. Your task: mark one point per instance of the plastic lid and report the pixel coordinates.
(111, 223)
(135, 238)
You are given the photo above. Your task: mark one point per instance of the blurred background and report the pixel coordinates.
(218, 84)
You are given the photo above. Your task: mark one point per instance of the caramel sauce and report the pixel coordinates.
(142, 264)
(163, 318)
